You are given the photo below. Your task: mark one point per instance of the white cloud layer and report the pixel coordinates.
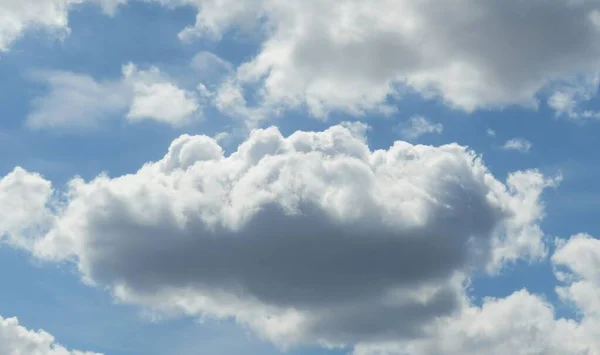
(79, 102)
(17, 340)
(470, 54)
(310, 238)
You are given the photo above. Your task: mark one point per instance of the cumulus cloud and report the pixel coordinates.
(19, 16)
(475, 55)
(490, 132)
(470, 54)
(17, 340)
(308, 238)
(521, 323)
(418, 126)
(138, 95)
(24, 205)
(518, 144)
(577, 261)
(156, 98)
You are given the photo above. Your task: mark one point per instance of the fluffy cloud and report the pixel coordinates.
(19, 16)
(309, 238)
(470, 54)
(17, 340)
(24, 205)
(156, 98)
(577, 262)
(418, 126)
(521, 323)
(518, 144)
(139, 95)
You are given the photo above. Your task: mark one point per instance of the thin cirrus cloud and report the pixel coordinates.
(138, 95)
(476, 55)
(375, 244)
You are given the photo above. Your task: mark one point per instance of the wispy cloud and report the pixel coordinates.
(417, 126)
(518, 144)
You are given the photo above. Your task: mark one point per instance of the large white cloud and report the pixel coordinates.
(352, 54)
(469, 53)
(138, 95)
(18, 340)
(309, 238)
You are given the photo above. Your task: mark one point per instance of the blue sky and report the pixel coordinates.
(70, 108)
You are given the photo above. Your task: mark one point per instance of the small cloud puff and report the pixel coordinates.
(518, 144)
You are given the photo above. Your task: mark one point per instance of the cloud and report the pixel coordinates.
(418, 126)
(522, 323)
(24, 206)
(490, 132)
(90, 101)
(473, 56)
(518, 144)
(567, 99)
(138, 95)
(17, 17)
(156, 98)
(470, 54)
(576, 260)
(16, 340)
(211, 67)
(311, 238)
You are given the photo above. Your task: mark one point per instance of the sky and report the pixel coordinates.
(299, 177)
